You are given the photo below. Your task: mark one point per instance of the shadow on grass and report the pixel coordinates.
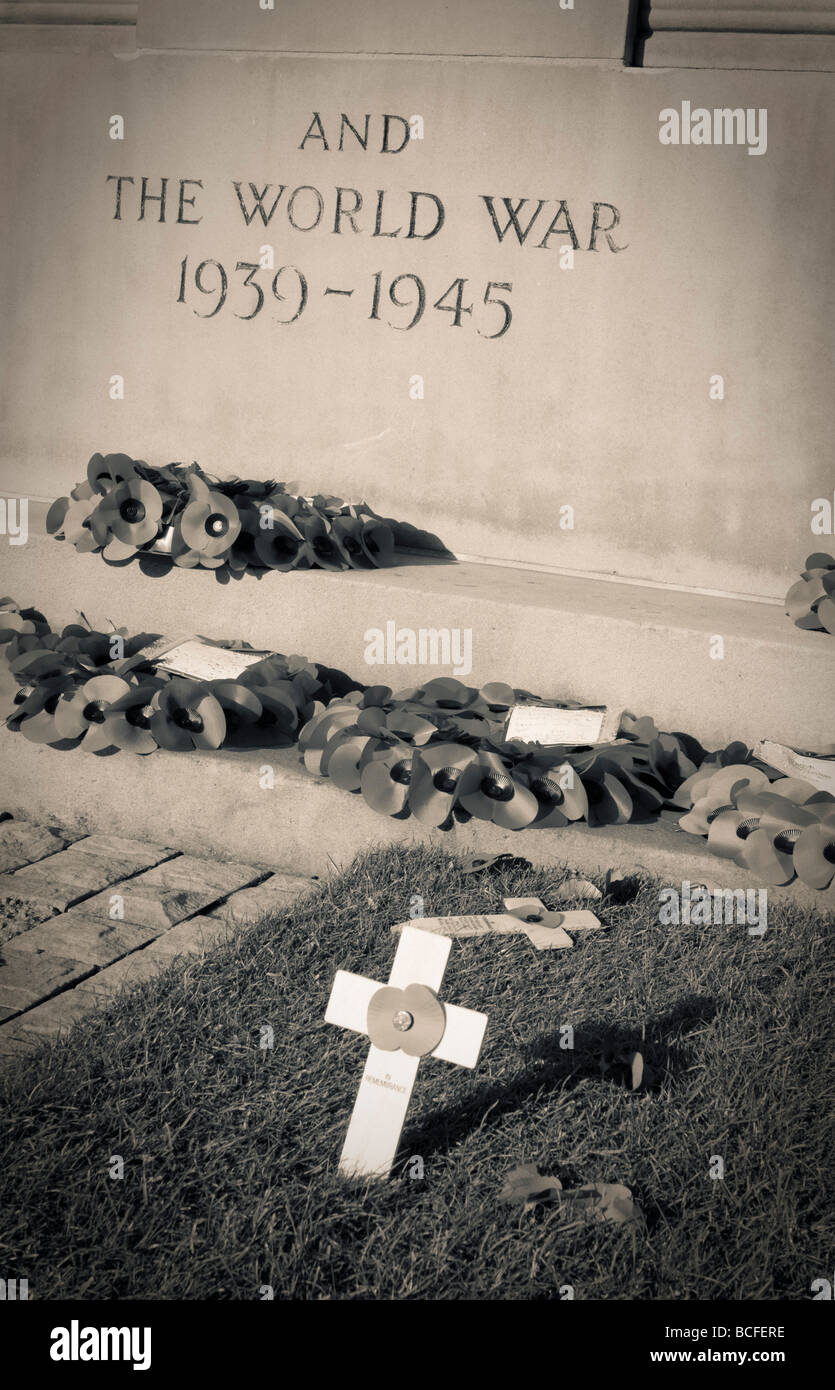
(549, 1067)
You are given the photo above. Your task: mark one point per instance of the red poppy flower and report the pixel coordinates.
(609, 801)
(717, 792)
(17, 623)
(108, 471)
(385, 778)
(410, 1020)
(765, 828)
(43, 663)
(319, 546)
(493, 791)
(285, 697)
(339, 759)
(643, 730)
(814, 853)
(446, 693)
(37, 703)
(187, 715)
(317, 733)
(56, 515)
(347, 533)
(241, 706)
(279, 546)
(84, 711)
(127, 723)
(209, 524)
(558, 789)
(768, 850)
(668, 760)
(39, 724)
(183, 556)
(242, 552)
(809, 602)
(130, 512)
(436, 778)
(280, 710)
(377, 540)
(76, 524)
(497, 698)
(409, 726)
(645, 790)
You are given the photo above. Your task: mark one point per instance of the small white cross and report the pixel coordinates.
(386, 1087)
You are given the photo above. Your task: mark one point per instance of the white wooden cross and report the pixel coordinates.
(405, 1014)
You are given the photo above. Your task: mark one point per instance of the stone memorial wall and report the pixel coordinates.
(561, 311)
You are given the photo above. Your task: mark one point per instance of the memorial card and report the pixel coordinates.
(552, 724)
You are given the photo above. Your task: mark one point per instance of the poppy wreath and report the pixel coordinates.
(810, 603)
(436, 751)
(778, 829)
(98, 690)
(124, 507)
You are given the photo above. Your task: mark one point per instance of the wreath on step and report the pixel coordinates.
(180, 514)
(810, 603)
(437, 751)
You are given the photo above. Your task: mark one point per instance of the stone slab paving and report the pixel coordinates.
(19, 914)
(66, 878)
(197, 934)
(46, 1020)
(272, 895)
(87, 915)
(190, 873)
(22, 843)
(131, 970)
(191, 937)
(135, 855)
(95, 939)
(26, 978)
(174, 890)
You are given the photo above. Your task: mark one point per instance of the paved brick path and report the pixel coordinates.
(80, 916)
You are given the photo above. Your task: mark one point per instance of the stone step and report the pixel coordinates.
(216, 803)
(630, 646)
(627, 645)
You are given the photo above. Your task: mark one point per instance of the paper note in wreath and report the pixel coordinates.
(817, 770)
(551, 724)
(201, 661)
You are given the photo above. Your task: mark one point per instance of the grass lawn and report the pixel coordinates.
(230, 1150)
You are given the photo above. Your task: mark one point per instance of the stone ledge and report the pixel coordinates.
(308, 826)
(624, 644)
(740, 51)
(594, 29)
(71, 12)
